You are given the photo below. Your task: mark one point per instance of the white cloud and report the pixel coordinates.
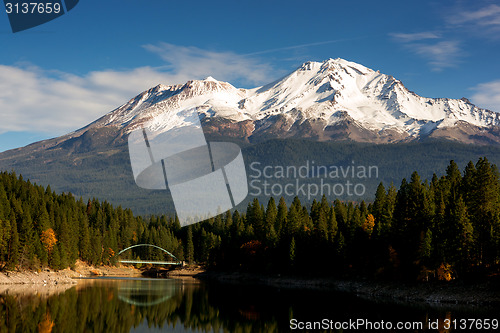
(406, 38)
(47, 101)
(482, 23)
(487, 95)
(32, 99)
(487, 16)
(439, 54)
(198, 63)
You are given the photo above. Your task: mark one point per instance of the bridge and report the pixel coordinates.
(175, 262)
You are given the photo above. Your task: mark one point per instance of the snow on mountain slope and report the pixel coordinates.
(317, 97)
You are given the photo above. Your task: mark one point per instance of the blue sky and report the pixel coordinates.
(60, 76)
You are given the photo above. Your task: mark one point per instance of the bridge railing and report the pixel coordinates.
(175, 262)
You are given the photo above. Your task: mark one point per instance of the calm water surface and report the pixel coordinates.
(172, 305)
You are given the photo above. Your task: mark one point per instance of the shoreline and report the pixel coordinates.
(64, 276)
(481, 293)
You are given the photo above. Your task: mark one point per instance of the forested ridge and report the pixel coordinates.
(444, 228)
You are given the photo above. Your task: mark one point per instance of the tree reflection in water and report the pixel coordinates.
(117, 306)
(110, 305)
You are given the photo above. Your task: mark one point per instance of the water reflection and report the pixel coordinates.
(153, 305)
(148, 292)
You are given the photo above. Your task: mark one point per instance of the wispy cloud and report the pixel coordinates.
(300, 46)
(47, 101)
(412, 37)
(226, 66)
(487, 95)
(439, 53)
(482, 23)
(486, 16)
(33, 99)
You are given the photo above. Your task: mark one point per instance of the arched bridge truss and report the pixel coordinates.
(174, 261)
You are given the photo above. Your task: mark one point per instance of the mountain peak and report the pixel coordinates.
(209, 78)
(334, 65)
(316, 93)
(160, 87)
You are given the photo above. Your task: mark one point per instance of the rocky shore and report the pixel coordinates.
(65, 276)
(480, 293)
(487, 292)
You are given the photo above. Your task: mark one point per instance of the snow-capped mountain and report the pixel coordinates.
(335, 99)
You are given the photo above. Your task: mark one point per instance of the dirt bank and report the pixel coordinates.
(65, 276)
(186, 271)
(439, 292)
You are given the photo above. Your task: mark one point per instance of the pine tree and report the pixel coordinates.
(426, 246)
(340, 215)
(281, 217)
(271, 237)
(5, 235)
(468, 184)
(84, 241)
(255, 217)
(332, 225)
(292, 253)
(321, 227)
(189, 246)
(485, 207)
(340, 245)
(55, 259)
(454, 178)
(13, 252)
(464, 243)
(4, 204)
(379, 203)
(293, 221)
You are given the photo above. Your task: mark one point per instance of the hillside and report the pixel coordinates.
(104, 172)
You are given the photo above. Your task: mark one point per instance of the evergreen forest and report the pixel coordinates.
(444, 228)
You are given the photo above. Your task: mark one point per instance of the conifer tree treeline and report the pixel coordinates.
(448, 227)
(39, 228)
(442, 229)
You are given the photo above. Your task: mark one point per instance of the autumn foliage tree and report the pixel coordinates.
(369, 224)
(48, 239)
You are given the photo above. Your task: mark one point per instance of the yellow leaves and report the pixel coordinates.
(46, 325)
(369, 224)
(48, 239)
(444, 272)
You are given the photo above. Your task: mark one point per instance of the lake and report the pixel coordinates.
(189, 305)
